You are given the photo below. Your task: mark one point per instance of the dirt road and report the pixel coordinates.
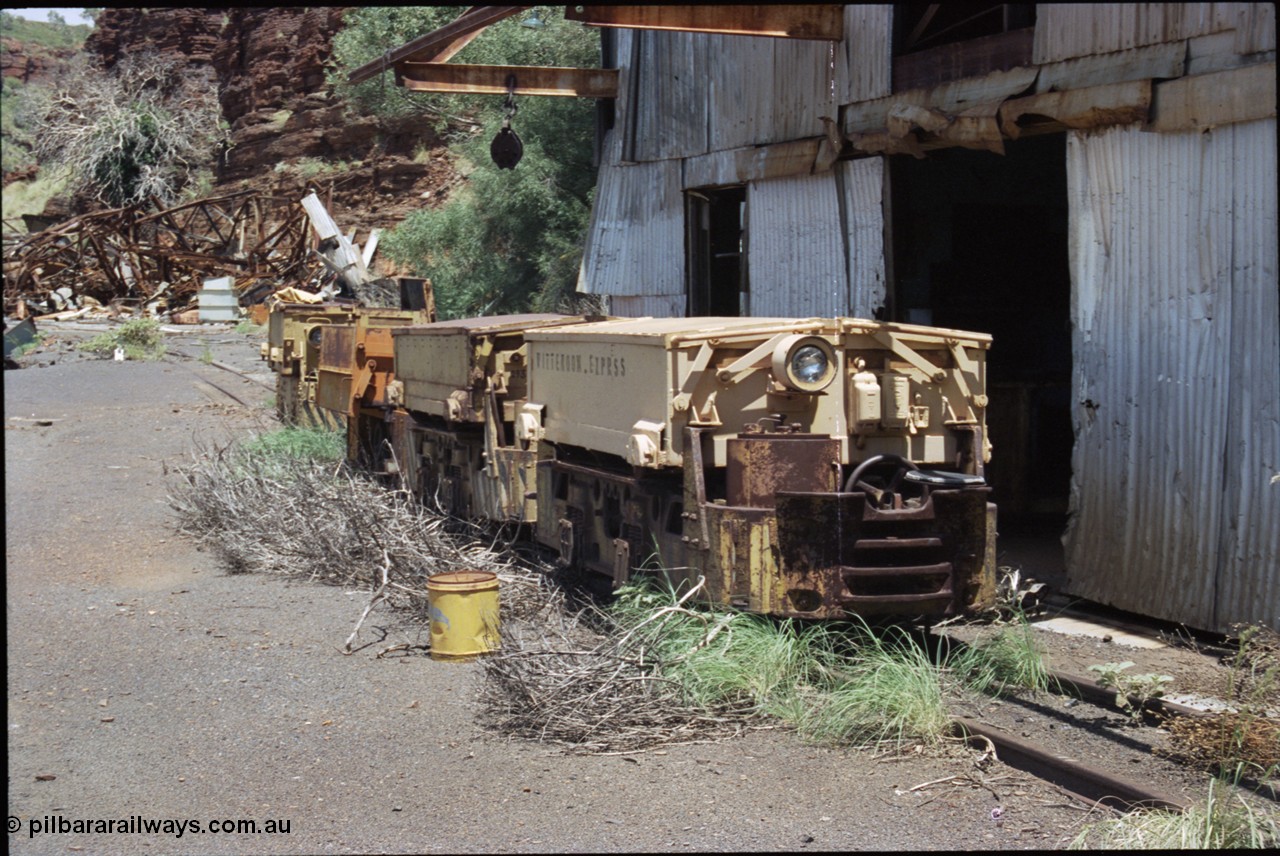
(146, 684)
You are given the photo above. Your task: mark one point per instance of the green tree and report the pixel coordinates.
(508, 240)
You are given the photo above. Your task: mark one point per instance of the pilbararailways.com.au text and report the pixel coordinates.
(56, 824)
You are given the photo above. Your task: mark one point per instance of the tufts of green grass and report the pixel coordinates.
(140, 339)
(1220, 823)
(833, 685)
(1006, 660)
(295, 444)
(888, 689)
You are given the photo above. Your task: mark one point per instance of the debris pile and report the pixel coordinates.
(598, 693)
(335, 525)
(139, 261)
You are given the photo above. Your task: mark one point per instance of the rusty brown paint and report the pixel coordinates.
(493, 79)
(759, 465)
(789, 21)
(863, 560)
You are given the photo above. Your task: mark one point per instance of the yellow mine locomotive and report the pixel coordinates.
(810, 468)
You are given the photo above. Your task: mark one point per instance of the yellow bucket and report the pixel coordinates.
(464, 614)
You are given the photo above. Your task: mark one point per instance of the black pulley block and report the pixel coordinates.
(506, 149)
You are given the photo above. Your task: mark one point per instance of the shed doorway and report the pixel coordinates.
(716, 257)
(979, 242)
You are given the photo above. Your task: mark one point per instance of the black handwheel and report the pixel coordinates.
(880, 495)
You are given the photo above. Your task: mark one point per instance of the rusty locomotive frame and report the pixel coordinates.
(809, 468)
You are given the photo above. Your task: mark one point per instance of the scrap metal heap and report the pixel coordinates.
(140, 259)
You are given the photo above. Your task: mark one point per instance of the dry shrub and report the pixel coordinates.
(561, 681)
(1224, 741)
(327, 522)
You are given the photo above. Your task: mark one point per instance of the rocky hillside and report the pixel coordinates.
(25, 61)
(287, 131)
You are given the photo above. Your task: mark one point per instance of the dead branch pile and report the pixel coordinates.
(553, 685)
(144, 254)
(330, 523)
(560, 677)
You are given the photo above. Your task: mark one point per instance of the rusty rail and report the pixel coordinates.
(1086, 783)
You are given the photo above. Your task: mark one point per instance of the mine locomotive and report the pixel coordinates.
(332, 359)
(815, 468)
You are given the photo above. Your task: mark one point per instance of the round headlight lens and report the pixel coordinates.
(315, 336)
(808, 364)
(804, 363)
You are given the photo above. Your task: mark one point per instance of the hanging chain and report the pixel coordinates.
(509, 106)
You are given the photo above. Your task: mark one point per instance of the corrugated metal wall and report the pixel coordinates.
(1176, 404)
(1249, 556)
(698, 93)
(635, 244)
(862, 186)
(795, 249)
(1066, 30)
(816, 244)
(668, 117)
(864, 60)
(655, 306)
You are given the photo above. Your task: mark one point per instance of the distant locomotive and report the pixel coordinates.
(809, 468)
(319, 383)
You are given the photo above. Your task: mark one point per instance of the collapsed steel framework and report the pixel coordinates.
(134, 255)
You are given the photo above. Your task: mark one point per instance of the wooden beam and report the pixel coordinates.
(1096, 107)
(971, 58)
(492, 79)
(1220, 98)
(800, 21)
(433, 44)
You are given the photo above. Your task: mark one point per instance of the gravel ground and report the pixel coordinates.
(144, 681)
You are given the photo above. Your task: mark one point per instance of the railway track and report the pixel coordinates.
(1079, 740)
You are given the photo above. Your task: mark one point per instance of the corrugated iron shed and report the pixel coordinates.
(1169, 112)
(1177, 373)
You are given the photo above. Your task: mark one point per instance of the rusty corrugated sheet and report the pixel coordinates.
(695, 93)
(1176, 378)
(653, 306)
(862, 183)
(1066, 30)
(796, 255)
(635, 243)
(864, 60)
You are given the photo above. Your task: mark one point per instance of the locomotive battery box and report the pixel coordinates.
(447, 368)
(627, 387)
(631, 387)
(458, 381)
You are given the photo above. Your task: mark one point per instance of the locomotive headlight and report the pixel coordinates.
(809, 364)
(314, 336)
(804, 363)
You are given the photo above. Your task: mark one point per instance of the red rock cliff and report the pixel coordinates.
(270, 66)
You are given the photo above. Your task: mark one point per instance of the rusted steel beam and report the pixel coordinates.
(800, 21)
(431, 45)
(492, 79)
